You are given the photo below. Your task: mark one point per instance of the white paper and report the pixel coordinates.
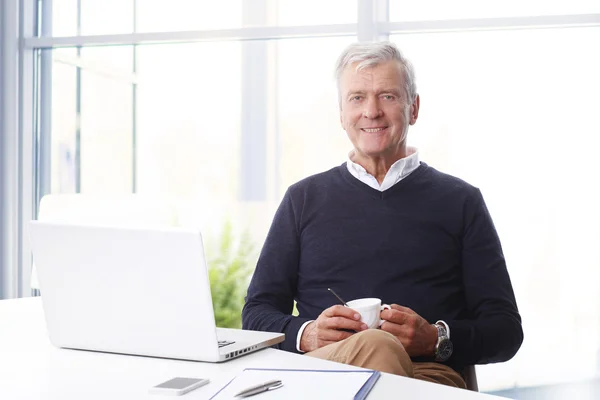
(302, 384)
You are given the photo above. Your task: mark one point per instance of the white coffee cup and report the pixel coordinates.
(370, 311)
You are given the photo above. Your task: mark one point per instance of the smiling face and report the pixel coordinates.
(375, 111)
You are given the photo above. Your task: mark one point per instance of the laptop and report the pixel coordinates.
(141, 291)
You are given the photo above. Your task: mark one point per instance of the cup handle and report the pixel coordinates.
(384, 307)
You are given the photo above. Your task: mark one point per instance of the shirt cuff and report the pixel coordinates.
(300, 332)
(445, 326)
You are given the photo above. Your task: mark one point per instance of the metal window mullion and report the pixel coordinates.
(382, 17)
(275, 32)
(44, 104)
(134, 90)
(41, 139)
(254, 132)
(372, 14)
(27, 146)
(77, 157)
(277, 137)
(365, 26)
(481, 24)
(9, 149)
(17, 158)
(243, 34)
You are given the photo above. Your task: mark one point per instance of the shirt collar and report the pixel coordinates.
(399, 170)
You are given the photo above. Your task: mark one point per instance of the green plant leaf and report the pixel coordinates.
(231, 262)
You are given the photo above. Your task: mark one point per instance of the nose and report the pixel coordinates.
(372, 109)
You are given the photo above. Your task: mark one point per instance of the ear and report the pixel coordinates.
(414, 110)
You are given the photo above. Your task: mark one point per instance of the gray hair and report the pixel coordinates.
(370, 54)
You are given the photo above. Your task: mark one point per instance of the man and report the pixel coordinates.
(386, 225)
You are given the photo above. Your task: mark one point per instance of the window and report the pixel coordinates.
(226, 103)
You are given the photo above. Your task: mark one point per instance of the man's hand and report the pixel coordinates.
(327, 328)
(417, 335)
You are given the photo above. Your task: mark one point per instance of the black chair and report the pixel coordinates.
(471, 378)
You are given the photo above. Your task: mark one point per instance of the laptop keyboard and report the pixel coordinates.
(223, 343)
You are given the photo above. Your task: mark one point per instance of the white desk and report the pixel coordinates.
(31, 368)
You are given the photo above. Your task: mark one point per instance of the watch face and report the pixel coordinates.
(444, 350)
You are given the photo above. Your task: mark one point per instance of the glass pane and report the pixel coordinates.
(117, 16)
(106, 133)
(64, 127)
(427, 10)
(64, 18)
(316, 12)
(116, 61)
(189, 120)
(312, 139)
(515, 113)
(181, 15)
(106, 16)
(180, 140)
(92, 119)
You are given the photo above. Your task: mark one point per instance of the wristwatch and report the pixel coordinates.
(443, 347)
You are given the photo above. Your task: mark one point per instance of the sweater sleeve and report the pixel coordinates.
(270, 297)
(493, 333)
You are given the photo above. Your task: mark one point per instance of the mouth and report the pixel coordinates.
(373, 130)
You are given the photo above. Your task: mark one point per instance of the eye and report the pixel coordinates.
(388, 97)
(356, 98)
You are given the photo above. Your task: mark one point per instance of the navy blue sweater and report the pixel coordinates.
(427, 243)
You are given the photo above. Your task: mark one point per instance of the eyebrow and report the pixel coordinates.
(379, 92)
(393, 91)
(354, 92)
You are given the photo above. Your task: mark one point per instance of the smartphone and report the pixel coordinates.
(178, 386)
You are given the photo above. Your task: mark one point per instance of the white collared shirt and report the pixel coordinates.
(398, 171)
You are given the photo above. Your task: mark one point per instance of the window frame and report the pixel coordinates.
(26, 94)
(18, 172)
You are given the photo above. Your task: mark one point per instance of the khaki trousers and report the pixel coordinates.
(382, 351)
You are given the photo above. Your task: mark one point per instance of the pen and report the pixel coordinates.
(336, 295)
(263, 387)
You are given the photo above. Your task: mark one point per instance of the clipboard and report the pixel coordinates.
(303, 383)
